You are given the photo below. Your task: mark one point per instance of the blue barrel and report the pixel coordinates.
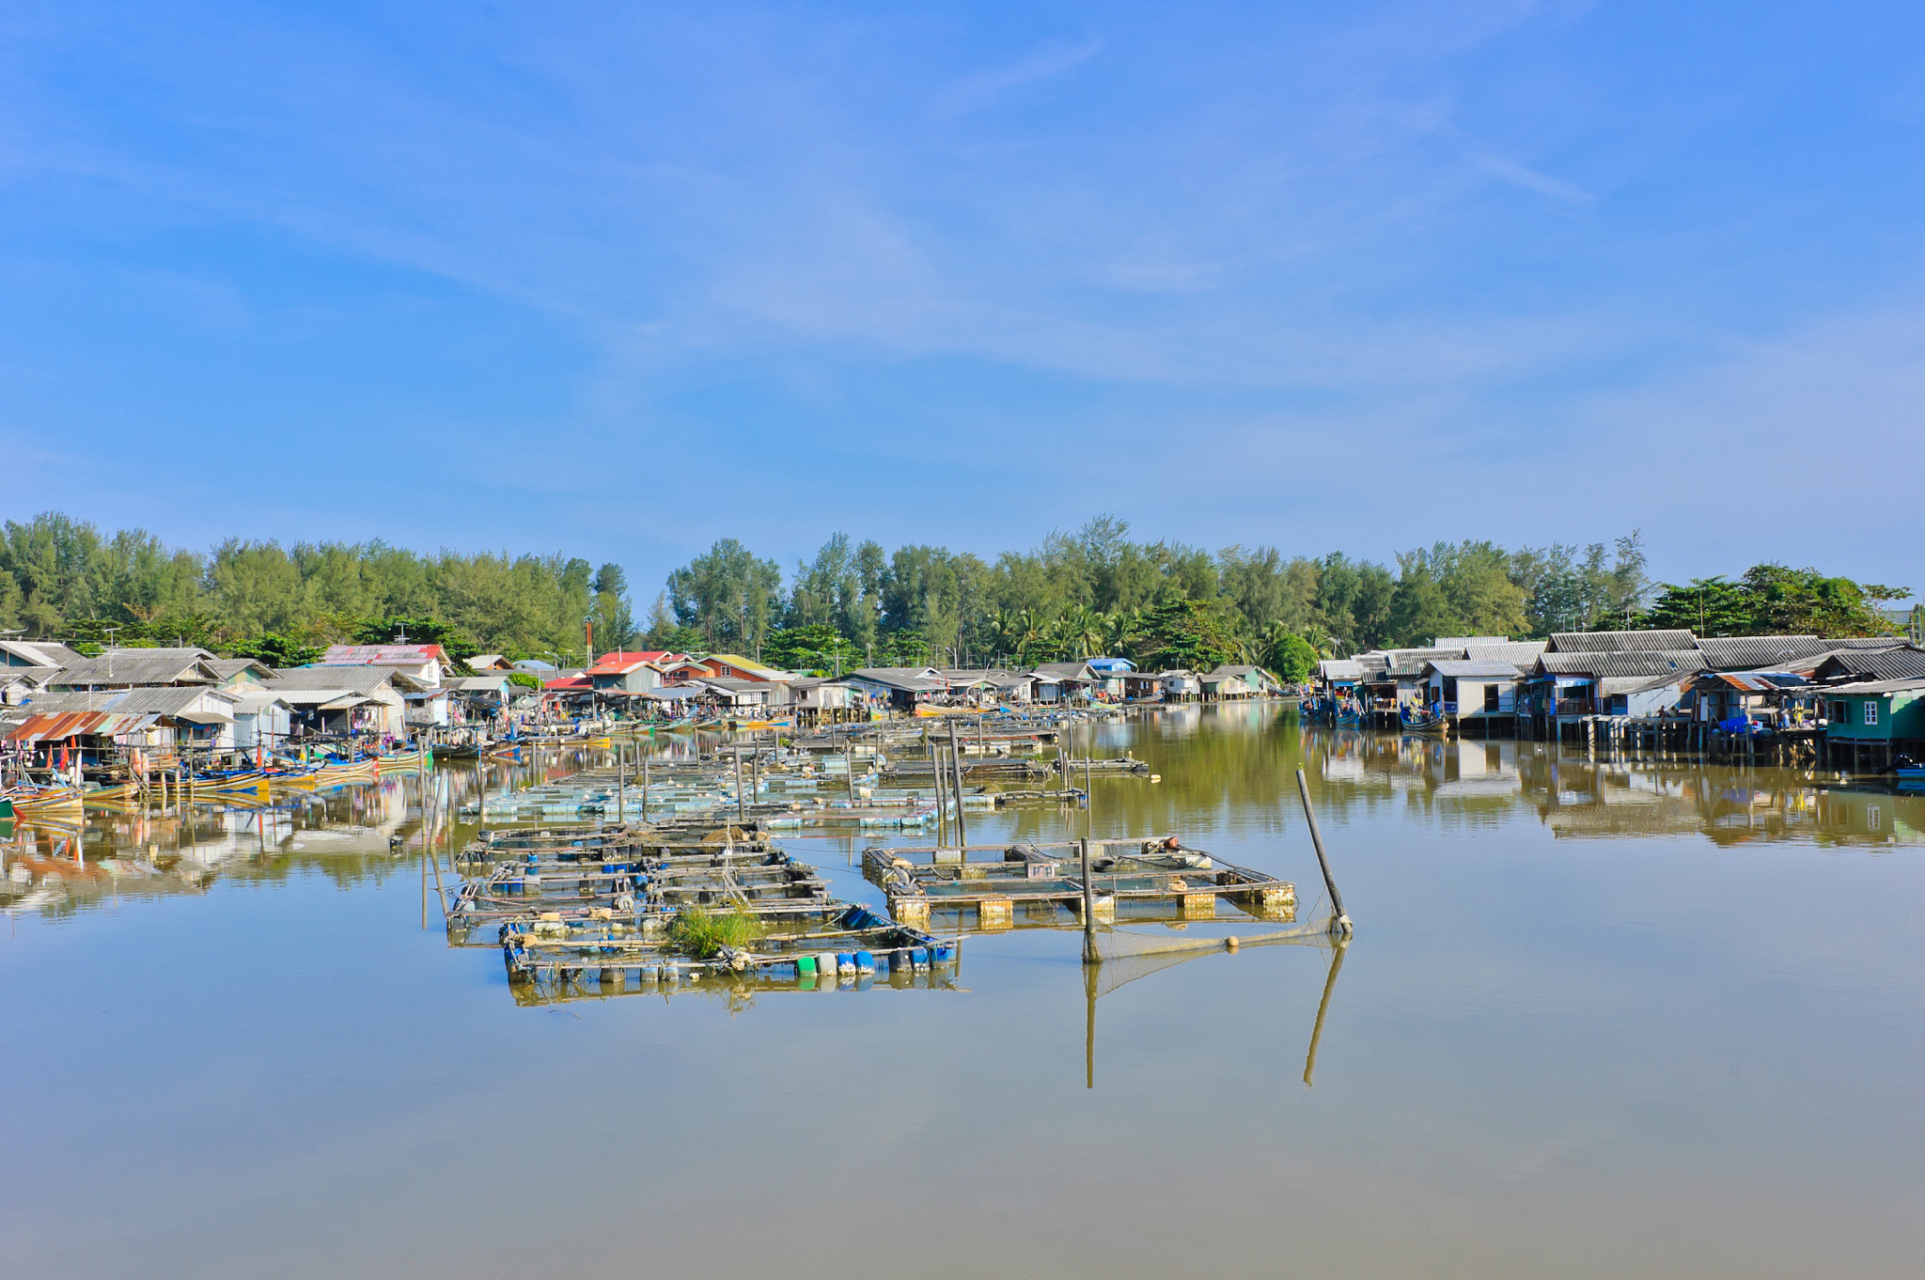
(865, 962)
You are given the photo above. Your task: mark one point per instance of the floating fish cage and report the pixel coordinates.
(588, 983)
(1042, 885)
(848, 942)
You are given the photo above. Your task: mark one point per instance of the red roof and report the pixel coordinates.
(620, 664)
(380, 655)
(565, 683)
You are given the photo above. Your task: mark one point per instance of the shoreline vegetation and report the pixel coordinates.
(1096, 590)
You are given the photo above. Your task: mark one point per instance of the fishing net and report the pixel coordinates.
(1125, 953)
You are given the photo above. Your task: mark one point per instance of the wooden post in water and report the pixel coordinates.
(941, 789)
(1089, 911)
(741, 809)
(955, 758)
(621, 784)
(1089, 789)
(849, 757)
(1341, 924)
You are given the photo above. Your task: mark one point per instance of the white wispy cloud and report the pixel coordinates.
(1045, 62)
(1530, 179)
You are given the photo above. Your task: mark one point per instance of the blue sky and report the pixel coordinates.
(622, 279)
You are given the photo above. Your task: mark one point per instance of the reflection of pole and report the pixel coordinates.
(1341, 924)
(1323, 1007)
(621, 784)
(638, 751)
(1089, 1025)
(741, 810)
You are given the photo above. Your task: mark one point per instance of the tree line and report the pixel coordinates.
(1096, 590)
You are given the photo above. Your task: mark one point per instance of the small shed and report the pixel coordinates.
(1472, 687)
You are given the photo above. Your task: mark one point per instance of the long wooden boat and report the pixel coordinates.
(119, 793)
(46, 802)
(337, 774)
(404, 760)
(246, 781)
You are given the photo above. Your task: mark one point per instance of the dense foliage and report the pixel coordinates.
(1160, 603)
(1773, 600)
(63, 579)
(855, 604)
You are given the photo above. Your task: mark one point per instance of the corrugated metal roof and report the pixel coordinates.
(228, 668)
(359, 679)
(1879, 686)
(1519, 653)
(1621, 641)
(1615, 686)
(40, 653)
(165, 700)
(1753, 653)
(62, 725)
(139, 667)
(1340, 669)
(394, 655)
(1895, 664)
(1466, 667)
(1753, 681)
(1059, 671)
(1416, 657)
(1644, 663)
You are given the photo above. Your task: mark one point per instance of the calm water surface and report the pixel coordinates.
(1598, 1019)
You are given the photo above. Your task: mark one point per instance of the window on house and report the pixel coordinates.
(1871, 711)
(1490, 697)
(1838, 713)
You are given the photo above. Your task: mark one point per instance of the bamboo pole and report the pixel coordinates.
(1089, 910)
(1341, 923)
(955, 759)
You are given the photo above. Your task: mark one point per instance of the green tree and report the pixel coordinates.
(728, 595)
(1185, 633)
(1292, 659)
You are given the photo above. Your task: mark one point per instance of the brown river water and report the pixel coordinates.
(1598, 1019)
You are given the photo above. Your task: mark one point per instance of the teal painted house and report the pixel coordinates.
(1874, 717)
